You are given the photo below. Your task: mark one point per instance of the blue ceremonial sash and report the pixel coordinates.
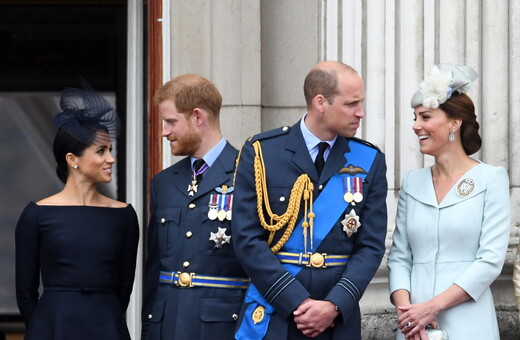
(329, 209)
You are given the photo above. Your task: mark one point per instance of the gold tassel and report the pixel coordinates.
(302, 187)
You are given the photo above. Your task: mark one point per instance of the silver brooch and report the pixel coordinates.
(465, 187)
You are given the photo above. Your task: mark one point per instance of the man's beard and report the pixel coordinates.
(188, 144)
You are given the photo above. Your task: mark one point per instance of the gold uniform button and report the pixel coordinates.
(185, 264)
(163, 220)
(189, 234)
(192, 206)
(235, 317)
(320, 187)
(282, 199)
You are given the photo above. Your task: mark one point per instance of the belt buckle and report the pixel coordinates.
(185, 279)
(317, 260)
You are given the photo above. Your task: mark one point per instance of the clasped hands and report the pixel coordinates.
(312, 317)
(413, 319)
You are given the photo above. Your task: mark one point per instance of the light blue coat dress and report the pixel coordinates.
(463, 241)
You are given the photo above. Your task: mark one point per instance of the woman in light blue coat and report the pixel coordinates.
(453, 219)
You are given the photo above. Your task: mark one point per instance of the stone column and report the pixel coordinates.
(220, 40)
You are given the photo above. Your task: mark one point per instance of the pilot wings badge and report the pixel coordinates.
(352, 170)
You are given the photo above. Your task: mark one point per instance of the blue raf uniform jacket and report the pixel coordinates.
(286, 157)
(179, 241)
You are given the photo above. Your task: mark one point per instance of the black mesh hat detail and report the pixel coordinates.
(84, 113)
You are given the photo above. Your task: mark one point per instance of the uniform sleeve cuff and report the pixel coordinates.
(286, 295)
(345, 296)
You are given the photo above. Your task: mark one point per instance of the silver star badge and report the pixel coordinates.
(220, 238)
(351, 223)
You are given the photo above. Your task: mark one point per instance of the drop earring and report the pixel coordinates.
(451, 137)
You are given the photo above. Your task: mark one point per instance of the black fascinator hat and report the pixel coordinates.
(85, 112)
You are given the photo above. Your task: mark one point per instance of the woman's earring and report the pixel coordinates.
(75, 166)
(451, 138)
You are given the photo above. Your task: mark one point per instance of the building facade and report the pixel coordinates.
(258, 53)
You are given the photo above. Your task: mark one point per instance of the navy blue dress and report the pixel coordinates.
(86, 257)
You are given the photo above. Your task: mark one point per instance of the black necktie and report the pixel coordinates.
(198, 169)
(320, 160)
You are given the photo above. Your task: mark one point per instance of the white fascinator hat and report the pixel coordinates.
(442, 81)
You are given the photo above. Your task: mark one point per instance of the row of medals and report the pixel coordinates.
(353, 188)
(220, 204)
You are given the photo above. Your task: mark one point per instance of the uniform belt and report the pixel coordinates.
(314, 260)
(184, 279)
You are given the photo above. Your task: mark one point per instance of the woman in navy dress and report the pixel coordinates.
(81, 243)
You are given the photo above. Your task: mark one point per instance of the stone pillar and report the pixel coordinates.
(220, 40)
(290, 38)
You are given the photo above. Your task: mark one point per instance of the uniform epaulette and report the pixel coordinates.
(271, 133)
(366, 143)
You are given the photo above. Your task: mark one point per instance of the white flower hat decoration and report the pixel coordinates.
(441, 82)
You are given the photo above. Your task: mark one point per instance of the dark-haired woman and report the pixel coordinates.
(81, 243)
(453, 219)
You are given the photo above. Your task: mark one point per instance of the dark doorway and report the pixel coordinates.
(46, 46)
